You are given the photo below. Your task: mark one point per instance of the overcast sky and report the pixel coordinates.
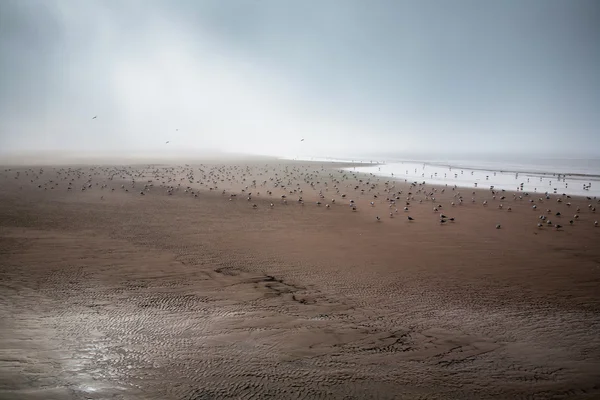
(348, 76)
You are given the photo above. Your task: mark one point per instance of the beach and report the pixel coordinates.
(199, 280)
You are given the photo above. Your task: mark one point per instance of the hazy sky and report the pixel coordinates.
(259, 75)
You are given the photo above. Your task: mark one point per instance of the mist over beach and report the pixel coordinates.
(298, 200)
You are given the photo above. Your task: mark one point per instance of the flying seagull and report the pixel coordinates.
(167, 142)
(95, 116)
(302, 140)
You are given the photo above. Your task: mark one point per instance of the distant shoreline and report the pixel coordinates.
(472, 167)
(512, 171)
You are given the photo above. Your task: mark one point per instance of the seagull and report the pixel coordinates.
(95, 116)
(410, 218)
(302, 140)
(498, 226)
(378, 219)
(167, 142)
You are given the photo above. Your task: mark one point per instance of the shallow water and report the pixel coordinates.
(569, 176)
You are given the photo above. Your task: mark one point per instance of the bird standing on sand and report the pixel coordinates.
(410, 218)
(498, 226)
(378, 219)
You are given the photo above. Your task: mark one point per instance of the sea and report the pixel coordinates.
(570, 176)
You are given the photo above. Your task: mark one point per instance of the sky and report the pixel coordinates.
(256, 76)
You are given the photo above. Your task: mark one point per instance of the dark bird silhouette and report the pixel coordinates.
(167, 142)
(302, 140)
(410, 218)
(95, 116)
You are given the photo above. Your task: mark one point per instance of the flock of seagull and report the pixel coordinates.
(291, 180)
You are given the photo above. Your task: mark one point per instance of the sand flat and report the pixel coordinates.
(188, 292)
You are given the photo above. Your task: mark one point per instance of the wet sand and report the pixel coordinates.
(196, 294)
